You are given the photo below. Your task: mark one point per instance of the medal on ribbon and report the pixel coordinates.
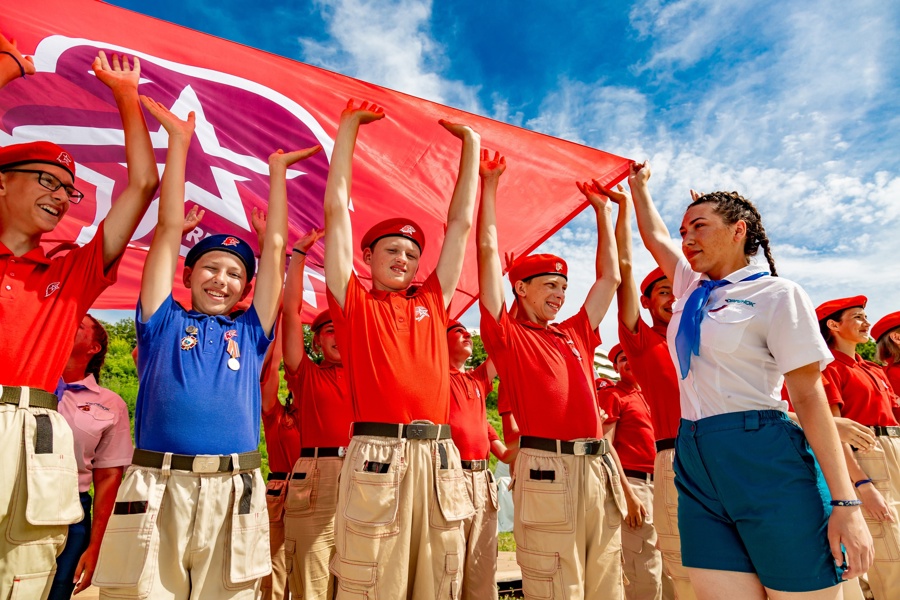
(234, 352)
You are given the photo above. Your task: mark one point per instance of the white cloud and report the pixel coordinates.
(388, 43)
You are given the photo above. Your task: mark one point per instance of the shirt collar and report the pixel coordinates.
(744, 273)
(36, 255)
(850, 361)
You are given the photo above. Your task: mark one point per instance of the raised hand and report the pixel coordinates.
(10, 46)
(639, 174)
(593, 192)
(192, 219)
(309, 239)
(618, 195)
(283, 159)
(366, 112)
(491, 168)
(459, 130)
(695, 195)
(118, 76)
(175, 127)
(259, 220)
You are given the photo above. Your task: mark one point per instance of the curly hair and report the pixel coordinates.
(733, 207)
(96, 362)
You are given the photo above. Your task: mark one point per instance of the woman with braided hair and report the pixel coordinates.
(755, 514)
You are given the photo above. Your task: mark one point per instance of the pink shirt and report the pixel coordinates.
(99, 421)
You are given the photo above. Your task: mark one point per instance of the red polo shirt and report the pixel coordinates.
(326, 412)
(652, 366)
(860, 388)
(42, 303)
(634, 440)
(468, 415)
(892, 372)
(282, 436)
(548, 374)
(395, 349)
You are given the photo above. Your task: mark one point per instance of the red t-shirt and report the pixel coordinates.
(547, 373)
(395, 349)
(323, 397)
(634, 440)
(282, 436)
(892, 372)
(652, 366)
(42, 303)
(860, 388)
(468, 415)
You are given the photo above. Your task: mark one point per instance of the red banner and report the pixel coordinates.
(249, 103)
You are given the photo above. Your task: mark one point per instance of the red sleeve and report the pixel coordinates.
(632, 343)
(579, 328)
(86, 265)
(493, 333)
(432, 289)
(608, 399)
(492, 433)
(480, 375)
(503, 405)
(831, 381)
(295, 379)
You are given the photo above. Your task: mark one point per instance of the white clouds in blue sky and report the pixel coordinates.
(794, 104)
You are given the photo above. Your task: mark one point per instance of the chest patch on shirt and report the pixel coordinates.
(421, 313)
(739, 301)
(51, 288)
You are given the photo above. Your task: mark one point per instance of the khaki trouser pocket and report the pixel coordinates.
(276, 490)
(33, 585)
(540, 574)
(51, 471)
(248, 555)
(373, 499)
(450, 583)
(302, 489)
(131, 540)
(452, 499)
(355, 579)
(492, 490)
(545, 495)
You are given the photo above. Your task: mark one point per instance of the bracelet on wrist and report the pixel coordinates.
(846, 502)
(13, 56)
(862, 482)
(299, 251)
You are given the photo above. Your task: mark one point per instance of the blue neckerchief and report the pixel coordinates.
(687, 340)
(62, 386)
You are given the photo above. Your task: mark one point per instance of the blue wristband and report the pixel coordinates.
(846, 502)
(862, 482)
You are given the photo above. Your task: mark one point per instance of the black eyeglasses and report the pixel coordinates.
(52, 183)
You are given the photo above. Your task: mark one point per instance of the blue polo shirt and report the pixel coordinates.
(189, 401)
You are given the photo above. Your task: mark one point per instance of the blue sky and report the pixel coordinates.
(794, 104)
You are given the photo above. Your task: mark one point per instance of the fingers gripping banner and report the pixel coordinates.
(249, 103)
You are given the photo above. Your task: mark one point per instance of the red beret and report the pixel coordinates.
(826, 309)
(614, 352)
(394, 227)
(37, 152)
(654, 276)
(885, 324)
(538, 264)
(453, 324)
(603, 382)
(322, 319)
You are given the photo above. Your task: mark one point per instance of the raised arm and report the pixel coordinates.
(607, 262)
(490, 273)
(162, 258)
(269, 282)
(651, 226)
(129, 208)
(270, 378)
(627, 296)
(338, 231)
(12, 64)
(292, 341)
(460, 213)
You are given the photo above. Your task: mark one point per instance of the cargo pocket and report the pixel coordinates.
(452, 499)
(276, 490)
(874, 465)
(546, 499)
(450, 579)
(33, 585)
(540, 574)
(248, 555)
(131, 540)
(493, 493)
(355, 579)
(302, 490)
(290, 547)
(373, 499)
(618, 508)
(51, 471)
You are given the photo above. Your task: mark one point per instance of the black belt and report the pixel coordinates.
(37, 398)
(323, 452)
(475, 465)
(890, 431)
(413, 431)
(202, 463)
(277, 476)
(667, 444)
(638, 474)
(590, 448)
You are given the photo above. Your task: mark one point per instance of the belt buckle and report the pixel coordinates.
(341, 451)
(416, 431)
(582, 448)
(893, 431)
(205, 463)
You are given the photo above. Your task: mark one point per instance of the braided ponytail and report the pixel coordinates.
(733, 207)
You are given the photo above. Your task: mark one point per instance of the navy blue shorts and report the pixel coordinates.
(752, 498)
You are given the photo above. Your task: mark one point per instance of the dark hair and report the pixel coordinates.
(733, 207)
(96, 362)
(823, 325)
(887, 349)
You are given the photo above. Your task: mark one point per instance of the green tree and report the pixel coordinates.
(867, 350)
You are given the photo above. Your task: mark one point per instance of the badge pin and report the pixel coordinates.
(233, 351)
(191, 330)
(188, 342)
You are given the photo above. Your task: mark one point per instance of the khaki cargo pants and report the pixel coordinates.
(180, 535)
(38, 497)
(882, 466)
(397, 533)
(643, 562)
(665, 518)
(480, 538)
(312, 498)
(274, 585)
(568, 518)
